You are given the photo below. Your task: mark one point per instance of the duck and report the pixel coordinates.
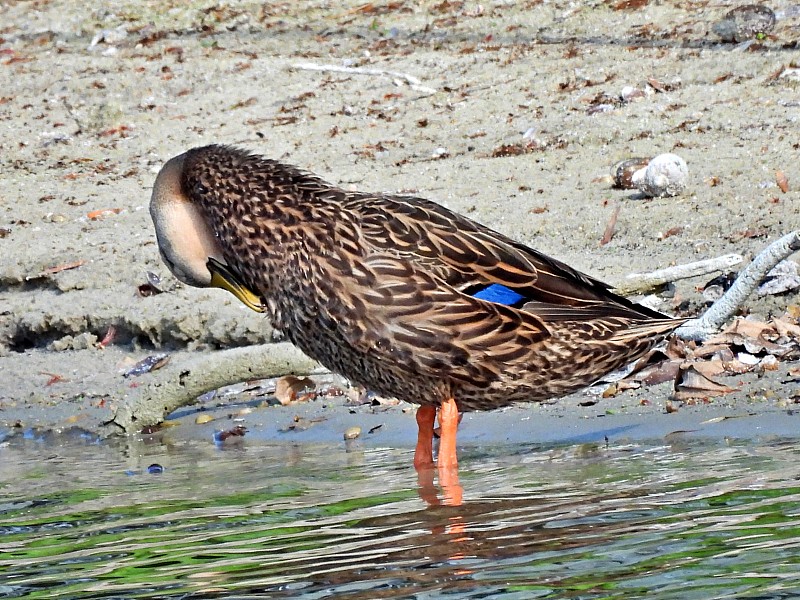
(396, 293)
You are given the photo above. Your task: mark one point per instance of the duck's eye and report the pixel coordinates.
(200, 189)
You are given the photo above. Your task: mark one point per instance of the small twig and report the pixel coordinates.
(56, 269)
(610, 226)
(640, 283)
(180, 384)
(748, 280)
(397, 77)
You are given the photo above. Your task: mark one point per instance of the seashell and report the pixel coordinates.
(665, 175)
(623, 171)
(745, 23)
(631, 94)
(151, 363)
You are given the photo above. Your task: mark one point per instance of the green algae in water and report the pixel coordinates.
(702, 521)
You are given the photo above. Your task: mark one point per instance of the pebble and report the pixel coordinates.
(665, 175)
(352, 433)
(745, 23)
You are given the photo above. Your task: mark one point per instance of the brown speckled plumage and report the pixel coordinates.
(378, 288)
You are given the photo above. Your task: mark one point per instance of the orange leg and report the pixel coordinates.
(448, 422)
(423, 454)
(448, 460)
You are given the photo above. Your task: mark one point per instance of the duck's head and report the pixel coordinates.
(186, 241)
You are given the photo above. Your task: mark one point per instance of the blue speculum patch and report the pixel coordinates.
(499, 294)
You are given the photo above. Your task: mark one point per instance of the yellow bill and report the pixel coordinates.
(223, 277)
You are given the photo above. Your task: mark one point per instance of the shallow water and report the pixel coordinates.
(685, 519)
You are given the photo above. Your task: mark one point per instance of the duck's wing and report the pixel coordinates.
(388, 306)
(483, 263)
(431, 291)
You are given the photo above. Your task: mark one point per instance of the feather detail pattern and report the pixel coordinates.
(391, 291)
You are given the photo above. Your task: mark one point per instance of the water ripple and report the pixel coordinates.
(694, 520)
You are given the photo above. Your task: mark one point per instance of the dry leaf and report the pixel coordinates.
(725, 354)
(747, 327)
(786, 329)
(54, 378)
(103, 212)
(710, 368)
(678, 348)
(291, 389)
(711, 349)
(666, 370)
(237, 431)
(670, 232)
(782, 181)
(611, 391)
(629, 4)
(695, 384)
(716, 367)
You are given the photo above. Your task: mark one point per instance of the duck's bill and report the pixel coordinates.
(223, 277)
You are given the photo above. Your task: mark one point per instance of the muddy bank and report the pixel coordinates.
(515, 120)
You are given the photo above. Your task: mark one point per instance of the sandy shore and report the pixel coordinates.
(93, 101)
